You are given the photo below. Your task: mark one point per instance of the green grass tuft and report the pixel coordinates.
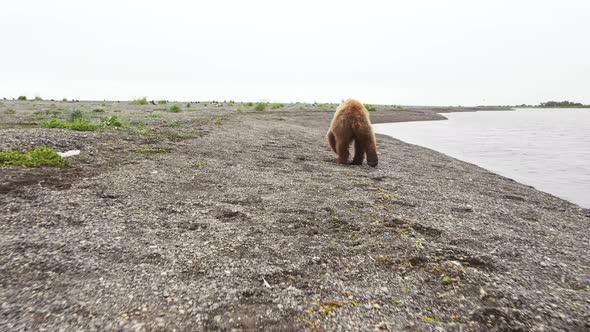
(370, 108)
(78, 125)
(37, 98)
(162, 102)
(217, 121)
(41, 156)
(198, 164)
(41, 112)
(142, 101)
(176, 136)
(174, 109)
(22, 98)
(260, 107)
(149, 150)
(111, 121)
(76, 115)
(276, 106)
(446, 279)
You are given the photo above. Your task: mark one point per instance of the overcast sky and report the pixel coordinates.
(433, 52)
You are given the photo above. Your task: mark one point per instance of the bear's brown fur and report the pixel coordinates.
(351, 123)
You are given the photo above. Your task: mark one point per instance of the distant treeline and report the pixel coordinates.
(557, 104)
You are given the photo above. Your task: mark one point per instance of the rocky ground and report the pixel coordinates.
(218, 217)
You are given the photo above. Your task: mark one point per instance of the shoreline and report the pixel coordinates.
(246, 222)
(537, 186)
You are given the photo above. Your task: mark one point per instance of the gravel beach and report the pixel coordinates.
(216, 217)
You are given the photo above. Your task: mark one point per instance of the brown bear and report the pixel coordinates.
(351, 123)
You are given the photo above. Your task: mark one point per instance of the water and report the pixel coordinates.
(548, 149)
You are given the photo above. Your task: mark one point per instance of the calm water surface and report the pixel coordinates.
(548, 149)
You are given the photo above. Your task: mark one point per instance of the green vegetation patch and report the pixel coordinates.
(149, 150)
(41, 112)
(562, 104)
(162, 102)
(111, 121)
(142, 101)
(76, 115)
(276, 106)
(78, 125)
(370, 108)
(260, 107)
(198, 164)
(176, 136)
(174, 109)
(41, 156)
(22, 98)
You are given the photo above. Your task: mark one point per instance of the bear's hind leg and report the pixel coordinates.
(342, 146)
(332, 141)
(359, 152)
(372, 159)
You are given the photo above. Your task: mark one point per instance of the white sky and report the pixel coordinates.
(453, 52)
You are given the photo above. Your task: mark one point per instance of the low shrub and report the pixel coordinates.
(76, 115)
(41, 156)
(78, 125)
(111, 121)
(370, 108)
(174, 109)
(142, 101)
(260, 107)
